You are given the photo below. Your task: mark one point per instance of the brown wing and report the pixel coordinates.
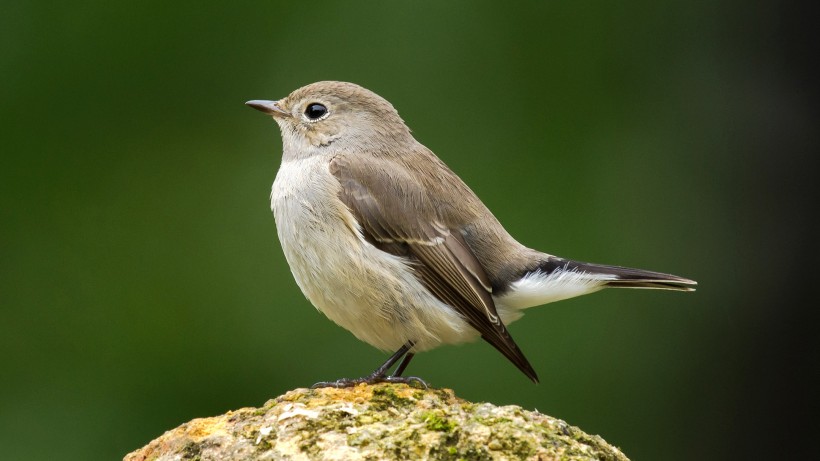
(397, 217)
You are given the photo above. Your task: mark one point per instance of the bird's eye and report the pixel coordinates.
(315, 111)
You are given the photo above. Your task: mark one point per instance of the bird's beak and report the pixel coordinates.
(268, 107)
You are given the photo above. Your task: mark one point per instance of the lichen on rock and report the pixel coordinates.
(376, 422)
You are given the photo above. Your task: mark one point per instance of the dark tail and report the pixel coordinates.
(624, 277)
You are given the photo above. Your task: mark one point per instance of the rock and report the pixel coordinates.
(384, 421)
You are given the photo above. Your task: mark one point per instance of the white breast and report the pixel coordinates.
(369, 292)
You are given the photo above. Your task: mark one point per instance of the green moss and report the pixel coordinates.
(443, 394)
(521, 449)
(260, 411)
(435, 421)
(490, 421)
(331, 421)
(264, 445)
(358, 440)
(476, 454)
(444, 453)
(191, 451)
(385, 396)
(468, 407)
(398, 422)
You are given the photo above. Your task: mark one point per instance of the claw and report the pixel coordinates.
(380, 376)
(412, 381)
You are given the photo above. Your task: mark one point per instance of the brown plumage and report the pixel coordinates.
(391, 244)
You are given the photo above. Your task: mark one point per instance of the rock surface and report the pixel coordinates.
(384, 421)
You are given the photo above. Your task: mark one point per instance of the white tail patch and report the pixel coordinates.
(537, 288)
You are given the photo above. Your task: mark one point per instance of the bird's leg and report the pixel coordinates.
(400, 369)
(396, 377)
(382, 370)
(379, 375)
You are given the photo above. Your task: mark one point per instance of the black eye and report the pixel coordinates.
(315, 111)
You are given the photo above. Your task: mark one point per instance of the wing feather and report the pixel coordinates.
(397, 217)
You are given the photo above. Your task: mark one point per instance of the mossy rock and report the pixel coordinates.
(378, 422)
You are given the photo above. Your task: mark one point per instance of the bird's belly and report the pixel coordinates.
(371, 293)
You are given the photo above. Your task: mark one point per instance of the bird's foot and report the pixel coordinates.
(412, 381)
(380, 375)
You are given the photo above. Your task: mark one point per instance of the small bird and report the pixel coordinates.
(386, 241)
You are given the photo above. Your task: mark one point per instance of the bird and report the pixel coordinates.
(389, 243)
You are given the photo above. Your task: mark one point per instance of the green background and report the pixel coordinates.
(142, 283)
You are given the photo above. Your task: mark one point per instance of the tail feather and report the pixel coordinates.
(627, 277)
(556, 278)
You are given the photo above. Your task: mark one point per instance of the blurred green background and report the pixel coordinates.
(142, 283)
